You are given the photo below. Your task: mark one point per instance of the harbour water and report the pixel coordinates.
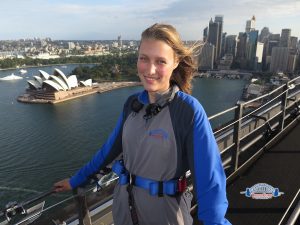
(41, 144)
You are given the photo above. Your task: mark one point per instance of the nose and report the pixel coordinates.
(152, 68)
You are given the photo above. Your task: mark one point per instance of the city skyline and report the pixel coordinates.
(105, 20)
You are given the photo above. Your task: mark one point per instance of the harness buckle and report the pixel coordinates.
(181, 184)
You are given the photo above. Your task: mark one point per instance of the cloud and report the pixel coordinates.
(101, 19)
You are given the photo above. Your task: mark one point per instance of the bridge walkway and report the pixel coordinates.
(278, 167)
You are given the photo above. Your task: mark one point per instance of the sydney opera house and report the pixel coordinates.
(50, 88)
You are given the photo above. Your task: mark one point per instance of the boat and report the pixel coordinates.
(11, 77)
(23, 71)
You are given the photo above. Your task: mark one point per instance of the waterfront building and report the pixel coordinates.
(219, 20)
(224, 35)
(279, 59)
(259, 56)
(285, 37)
(206, 58)
(293, 45)
(250, 25)
(205, 34)
(274, 37)
(264, 34)
(231, 45)
(241, 49)
(225, 62)
(292, 61)
(251, 48)
(213, 36)
(58, 86)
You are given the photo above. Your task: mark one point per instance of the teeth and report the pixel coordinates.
(151, 78)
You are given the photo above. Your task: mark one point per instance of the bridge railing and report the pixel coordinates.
(241, 141)
(252, 126)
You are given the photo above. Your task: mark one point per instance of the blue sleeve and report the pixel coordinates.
(209, 177)
(105, 155)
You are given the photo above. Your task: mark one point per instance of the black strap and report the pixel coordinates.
(131, 203)
(160, 188)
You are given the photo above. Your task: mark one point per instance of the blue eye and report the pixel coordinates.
(161, 62)
(142, 58)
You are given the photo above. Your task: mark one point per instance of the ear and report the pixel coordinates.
(176, 63)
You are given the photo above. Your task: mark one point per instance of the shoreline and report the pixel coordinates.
(33, 66)
(100, 88)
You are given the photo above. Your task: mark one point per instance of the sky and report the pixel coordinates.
(107, 19)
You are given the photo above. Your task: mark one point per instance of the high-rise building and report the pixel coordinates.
(231, 45)
(213, 36)
(250, 24)
(219, 20)
(223, 45)
(259, 56)
(251, 48)
(279, 59)
(293, 42)
(206, 58)
(285, 37)
(241, 46)
(120, 44)
(205, 34)
(264, 34)
(291, 63)
(71, 45)
(274, 37)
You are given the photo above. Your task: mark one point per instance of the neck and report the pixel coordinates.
(155, 94)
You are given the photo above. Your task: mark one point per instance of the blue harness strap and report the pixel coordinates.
(154, 187)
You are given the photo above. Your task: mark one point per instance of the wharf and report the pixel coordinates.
(98, 88)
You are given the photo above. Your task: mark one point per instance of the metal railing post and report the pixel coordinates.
(83, 211)
(283, 106)
(236, 137)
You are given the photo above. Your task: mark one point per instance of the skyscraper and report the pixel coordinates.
(206, 58)
(231, 45)
(213, 36)
(293, 42)
(279, 59)
(250, 24)
(241, 46)
(251, 48)
(205, 34)
(285, 37)
(264, 34)
(219, 20)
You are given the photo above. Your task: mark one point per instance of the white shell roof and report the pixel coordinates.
(86, 83)
(73, 81)
(59, 81)
(53, 85)
(59, 73)
(38, 79)
(44, 75)
(33, 84)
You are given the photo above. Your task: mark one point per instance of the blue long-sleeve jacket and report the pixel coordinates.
(177, 139)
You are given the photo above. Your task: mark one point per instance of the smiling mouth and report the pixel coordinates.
(151, 78)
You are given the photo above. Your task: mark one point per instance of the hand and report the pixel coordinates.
(63, 185)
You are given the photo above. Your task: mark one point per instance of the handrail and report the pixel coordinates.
(285, 220)
(221, 113)
(238, 124)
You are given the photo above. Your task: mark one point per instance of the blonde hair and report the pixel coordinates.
(183, 74)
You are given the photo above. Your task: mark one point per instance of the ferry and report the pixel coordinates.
(11, 77)
(23, 71)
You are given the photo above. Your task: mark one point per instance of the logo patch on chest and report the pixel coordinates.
(159, 134)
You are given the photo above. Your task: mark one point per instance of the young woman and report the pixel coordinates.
(162, 133)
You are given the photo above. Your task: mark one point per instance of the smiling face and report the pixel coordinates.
(155, 65)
